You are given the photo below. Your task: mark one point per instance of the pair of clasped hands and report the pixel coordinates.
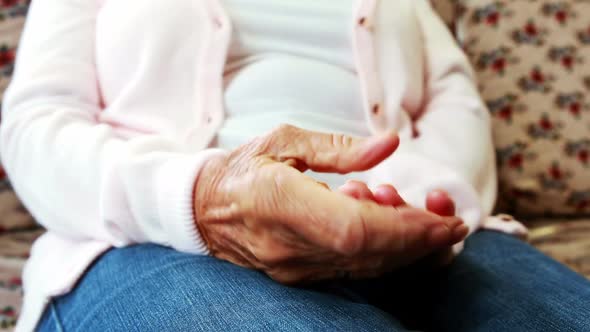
(254, 207)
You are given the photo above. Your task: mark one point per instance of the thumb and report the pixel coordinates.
(333, 153)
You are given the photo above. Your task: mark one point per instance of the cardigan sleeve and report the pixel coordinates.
(78, 177)
(453, 147)
(455, 126)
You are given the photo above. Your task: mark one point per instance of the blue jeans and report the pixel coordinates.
(497, 284)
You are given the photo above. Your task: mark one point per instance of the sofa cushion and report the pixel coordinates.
(532, 60)
(12, 18)
(17, 228)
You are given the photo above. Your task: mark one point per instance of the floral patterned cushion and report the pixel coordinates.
(12, 18)
(17, 228)
(532, 60)
(10, 291)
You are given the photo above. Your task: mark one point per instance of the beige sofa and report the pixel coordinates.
(532, 62)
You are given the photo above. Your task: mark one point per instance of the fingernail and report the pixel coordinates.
(439, 236)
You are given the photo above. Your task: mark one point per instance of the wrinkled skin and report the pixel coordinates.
(437, 201)
(256, 208)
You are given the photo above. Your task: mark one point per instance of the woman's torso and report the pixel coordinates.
(182, 48)
(291, 62)
(160, 69)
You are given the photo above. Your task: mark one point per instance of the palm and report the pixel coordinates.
(437, 201)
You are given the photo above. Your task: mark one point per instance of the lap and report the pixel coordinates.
(503, 284)
(148, 287)
(498, 283)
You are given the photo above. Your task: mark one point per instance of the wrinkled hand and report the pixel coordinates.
(437, 201)
(257, 209)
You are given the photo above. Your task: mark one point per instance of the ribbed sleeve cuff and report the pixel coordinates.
(176, 181)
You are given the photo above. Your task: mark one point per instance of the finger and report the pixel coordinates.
(334, 153)
(349, 226)
(417, 232)
(440, 202)
(386, 194)
(357, 190)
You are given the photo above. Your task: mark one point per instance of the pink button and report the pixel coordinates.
(376, 109)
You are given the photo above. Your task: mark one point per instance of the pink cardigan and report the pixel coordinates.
(114, 105)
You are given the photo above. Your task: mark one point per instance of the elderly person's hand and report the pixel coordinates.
(437, 201)
(257, 209)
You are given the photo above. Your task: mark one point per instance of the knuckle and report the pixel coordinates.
(341, 141)
(278, 138)
(286, 127)
(335, 140)
(339, 145)
(283, 130)
(346, 141)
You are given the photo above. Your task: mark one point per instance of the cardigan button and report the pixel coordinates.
(376, 109)
(365, 23)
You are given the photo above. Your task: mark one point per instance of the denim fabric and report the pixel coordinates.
(497, 284)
